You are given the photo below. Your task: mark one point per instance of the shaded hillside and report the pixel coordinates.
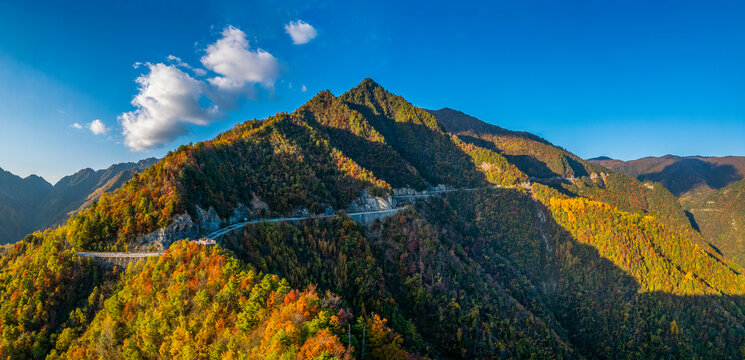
(72, 193)
(18, 202)
(682, 174)
(720, 215)
(561, 261)
(32, 203)
(488, 272)
(533, 155)
(294, 163)
(710, 190)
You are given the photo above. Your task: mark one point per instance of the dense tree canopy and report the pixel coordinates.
(562, 260)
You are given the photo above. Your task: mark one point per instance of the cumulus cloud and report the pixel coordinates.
(304, 88)
(97, 127)
(168, 100)
(237, 65)
(175, 60)
(301, 32)
(76, 126)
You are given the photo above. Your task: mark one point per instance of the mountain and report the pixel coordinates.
(710, 190)
(534, 253)
(32, 203)
(682, 175)
(18, 199)
(720, 216)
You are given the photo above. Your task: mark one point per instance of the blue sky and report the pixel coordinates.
(619, 78)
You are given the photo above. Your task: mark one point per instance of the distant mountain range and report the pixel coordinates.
(681, 174)
(710, 189)
(31, 203)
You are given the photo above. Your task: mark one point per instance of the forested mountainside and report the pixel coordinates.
(535, 254)
(18, 198)
(32, 203)
(533, 155)
(720, 216)
(682, 175)
(709, 189)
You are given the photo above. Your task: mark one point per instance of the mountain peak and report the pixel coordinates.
(367, 86)
(323, 96)
(368, 82)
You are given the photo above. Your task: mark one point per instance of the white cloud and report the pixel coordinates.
(97, 127)
(76, 126)
(168, 100)
(237, 65)
(304, 88)
(301, 32)
(176, 61)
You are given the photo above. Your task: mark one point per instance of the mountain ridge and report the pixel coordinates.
(43, 204)
(546, 256)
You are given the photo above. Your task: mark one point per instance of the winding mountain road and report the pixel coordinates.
(358, 216)
(116, 255)
(363, 216)
(227, 229)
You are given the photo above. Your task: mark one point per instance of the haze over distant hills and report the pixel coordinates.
(31, 203)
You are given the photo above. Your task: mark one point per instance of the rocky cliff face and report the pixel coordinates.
(182, 227)
(367, 202)
(207, 221)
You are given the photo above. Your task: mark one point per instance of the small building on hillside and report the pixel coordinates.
(207, 242)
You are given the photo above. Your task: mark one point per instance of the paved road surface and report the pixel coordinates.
(225, 230)
(101, 254)
(239, 225)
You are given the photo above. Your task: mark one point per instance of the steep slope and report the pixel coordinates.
(71, 193)
(349, 131)
(292, 163)
(418, 272)
(32, 203)
(197, 303)
(565, 171)
(682, 175)
(495, 272)
(587, 265)
(710, 191)
(280, 164)
(18, 200)
(720, 216)
(415, 134)
(531, 154)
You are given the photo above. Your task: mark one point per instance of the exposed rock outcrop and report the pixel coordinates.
(182, 227)
(367, 202)
(208, 220)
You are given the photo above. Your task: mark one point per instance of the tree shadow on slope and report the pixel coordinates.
(380, 158)
(686, 174)
(598, 304)
(490, 274)
(526, 163)
(432, 152)
(455, 121)
(295, 171)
